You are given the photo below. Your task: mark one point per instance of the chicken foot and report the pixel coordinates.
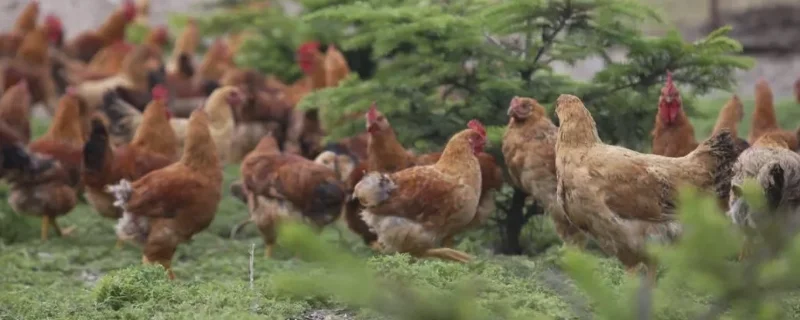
(47, 222)
(167, 264)
(447, 254)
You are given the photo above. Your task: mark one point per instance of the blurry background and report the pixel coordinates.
(768, 29)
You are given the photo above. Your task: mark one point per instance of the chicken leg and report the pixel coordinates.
(45, 227)
(62, 232)
(167, 264)
(47, 222)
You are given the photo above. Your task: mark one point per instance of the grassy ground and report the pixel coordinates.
(84, 277)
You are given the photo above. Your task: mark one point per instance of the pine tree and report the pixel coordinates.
(431, 66)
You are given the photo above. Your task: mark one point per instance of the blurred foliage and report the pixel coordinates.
(701, 281)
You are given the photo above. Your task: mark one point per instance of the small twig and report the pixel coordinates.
(252, 270)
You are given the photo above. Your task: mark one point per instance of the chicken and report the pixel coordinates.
(623, 198)
(673, 135)
(281, 186)
(797, 90)
(125, 119)
(142, 12)
(138, 69)
(157, 38)
(764, 119)
(53, 193)
(185, 45)
(775, 169)
(412, 210)
(15, 111)
(32, 63)
(342, 164)
(155, 146)
(15, 160)
(729, 116)
(168, 206)
(85, 45)
(529, 150)
(215, 63)
(26, 21)
(106, 63)
(336, 68)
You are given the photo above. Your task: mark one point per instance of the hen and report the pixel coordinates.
(154, 146)
(281, 186)
(15, 111)
(529, 150)
(53, 192)
(85, 45)
(168, 206)
(32, 64)
(412, 210)
(138, 69)
(775, 169)
(764, 119)
(621, 197)
(673, 134)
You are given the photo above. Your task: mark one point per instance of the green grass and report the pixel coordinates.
(84, 277)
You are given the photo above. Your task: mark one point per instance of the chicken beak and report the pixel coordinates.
(510, 111)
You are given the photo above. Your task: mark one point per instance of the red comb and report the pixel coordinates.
(476, 125)
(670, 86)
(22, 84)
(308, 47)
(71, 91)
(52, 20)
(159, 92)
(372, 113)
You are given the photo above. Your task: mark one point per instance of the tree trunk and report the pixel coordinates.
(715, 19)
(515, 220)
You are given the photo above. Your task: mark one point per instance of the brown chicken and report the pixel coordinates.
(529, 150)
(623, 198)
(15, 105)
(185, 45)
(414, 209)
(281, 186)
(137, 71)
(764, 119)
(32, 63)
(336, 68)
(106, 63)
(157, 38)
(155, 146)
(168, 206)
(53, 193)
(215, 63)
(85, 45)
(26, 22)
(673, 135)
(729, 117)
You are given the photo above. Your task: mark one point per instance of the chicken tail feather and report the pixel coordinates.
(720, 151)
(94, 151)
(374, 189)
(121, 192)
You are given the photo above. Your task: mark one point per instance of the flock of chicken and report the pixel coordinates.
(114, 140)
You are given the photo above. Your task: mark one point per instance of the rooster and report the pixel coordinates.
(168, 206)
(621, 197)
(673, 134)
(413, 210)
